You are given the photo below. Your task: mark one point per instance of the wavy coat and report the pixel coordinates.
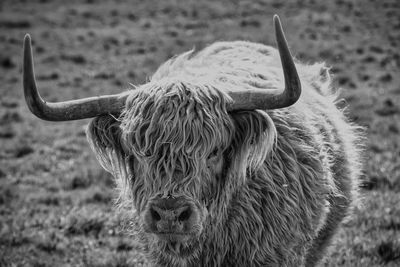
(289, 176)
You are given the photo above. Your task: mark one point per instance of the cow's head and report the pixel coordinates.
(179, 148)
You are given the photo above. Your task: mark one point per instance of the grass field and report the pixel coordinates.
(56, 203)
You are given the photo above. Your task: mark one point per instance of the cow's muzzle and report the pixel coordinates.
(173, 219)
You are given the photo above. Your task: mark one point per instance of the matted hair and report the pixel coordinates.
(302, 163)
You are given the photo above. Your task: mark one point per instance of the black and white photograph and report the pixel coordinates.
(199, 133)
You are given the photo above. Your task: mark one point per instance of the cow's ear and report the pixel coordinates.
(103, 134)
(254, 138)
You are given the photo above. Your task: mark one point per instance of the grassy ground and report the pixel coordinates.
(56, 203)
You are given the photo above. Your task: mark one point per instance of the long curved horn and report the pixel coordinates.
(68, 110)
(273, 98)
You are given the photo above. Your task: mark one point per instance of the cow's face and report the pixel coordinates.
(176, 137)
(184, 157)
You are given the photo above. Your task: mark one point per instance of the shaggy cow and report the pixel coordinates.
(218, 164)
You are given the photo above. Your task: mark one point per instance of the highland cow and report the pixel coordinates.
(222, 156)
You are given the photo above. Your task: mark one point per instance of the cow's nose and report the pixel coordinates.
(170, 220)
(171, 216)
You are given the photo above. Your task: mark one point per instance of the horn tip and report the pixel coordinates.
(276, 18)
(27, 38)
(27, 41)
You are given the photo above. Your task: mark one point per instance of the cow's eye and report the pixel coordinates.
(213, 155)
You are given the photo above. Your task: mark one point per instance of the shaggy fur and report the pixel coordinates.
(273, 186)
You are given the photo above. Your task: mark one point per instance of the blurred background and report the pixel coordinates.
(56, 203)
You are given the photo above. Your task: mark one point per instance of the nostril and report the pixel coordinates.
(185, 215)
(155, 215)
